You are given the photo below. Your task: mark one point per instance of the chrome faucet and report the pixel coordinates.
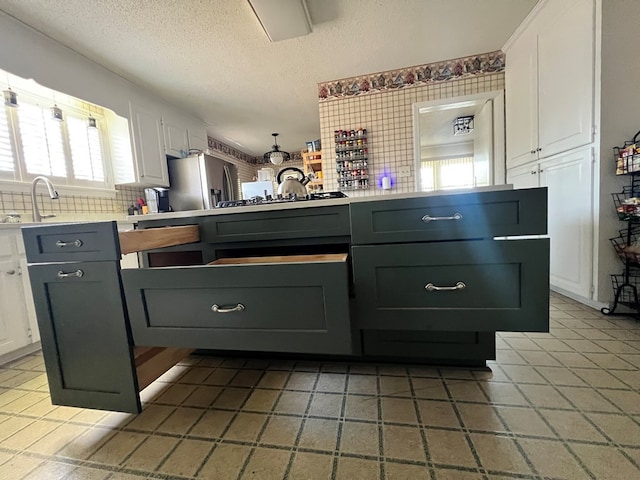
(37, 217)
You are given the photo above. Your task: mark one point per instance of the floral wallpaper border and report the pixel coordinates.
(412, 76)
(218, 146)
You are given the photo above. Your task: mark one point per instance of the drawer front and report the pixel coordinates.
(453, 286)
(301, 307)
(76, 242)
(277, 225)
(451, 217)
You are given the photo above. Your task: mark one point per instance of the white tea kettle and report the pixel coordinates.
(291, 184)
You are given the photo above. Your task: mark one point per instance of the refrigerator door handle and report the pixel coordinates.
(228, 184)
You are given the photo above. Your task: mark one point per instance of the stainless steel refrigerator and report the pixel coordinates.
(201, 181)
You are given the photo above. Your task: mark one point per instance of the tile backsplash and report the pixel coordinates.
(388, 117)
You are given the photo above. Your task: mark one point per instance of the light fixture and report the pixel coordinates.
(91, 122)
(463, 125)
(10, 98)
(282, 19)
(56, 112)
(276, 156)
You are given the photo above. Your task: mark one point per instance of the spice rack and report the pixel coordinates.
(627, 243)
(312, 165)
(352, 159)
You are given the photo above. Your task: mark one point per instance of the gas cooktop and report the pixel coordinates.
(279, 199)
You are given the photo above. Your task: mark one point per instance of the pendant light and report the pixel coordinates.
(276, 156)
(10, 97)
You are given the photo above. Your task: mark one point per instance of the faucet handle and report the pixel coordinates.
(51, 215)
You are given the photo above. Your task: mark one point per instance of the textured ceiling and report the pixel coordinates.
(213, 57)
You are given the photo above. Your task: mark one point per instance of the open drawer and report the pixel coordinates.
(282, 304)
(473, 286)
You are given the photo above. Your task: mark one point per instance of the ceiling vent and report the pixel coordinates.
(282, 19)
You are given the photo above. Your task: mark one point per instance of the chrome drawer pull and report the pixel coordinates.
(238, 308)
(77, 273)
(75, 243)
(428, 218)
(430, 287)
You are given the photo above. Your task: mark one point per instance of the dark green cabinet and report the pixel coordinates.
(84, 333)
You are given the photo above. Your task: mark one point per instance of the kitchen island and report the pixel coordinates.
(419, 278)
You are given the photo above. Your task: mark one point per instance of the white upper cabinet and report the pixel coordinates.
(549, 82)
(148, 141)
(176, 137)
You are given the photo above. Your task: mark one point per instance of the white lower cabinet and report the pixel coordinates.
(15, 327)
(569, 178)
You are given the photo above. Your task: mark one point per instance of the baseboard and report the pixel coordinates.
(21, 352)
(578, 298)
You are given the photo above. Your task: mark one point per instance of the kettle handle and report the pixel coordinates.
(295, 169)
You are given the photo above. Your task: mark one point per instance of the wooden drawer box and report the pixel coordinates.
(277, 225)
(296, 305)
(77, 242)
(453, 286)
(450, 217)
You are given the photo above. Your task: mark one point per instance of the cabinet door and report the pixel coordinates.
(176, 138)
(565, 76)
(14, 328)
(569, 181)
(148, 141)
(85, 339)
(525, 176)
(521, 100)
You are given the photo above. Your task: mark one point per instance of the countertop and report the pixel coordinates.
(309, 204)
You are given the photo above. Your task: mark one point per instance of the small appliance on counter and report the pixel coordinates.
(157, 199)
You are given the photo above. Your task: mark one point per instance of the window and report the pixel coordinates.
(447, 174)
(33, 143)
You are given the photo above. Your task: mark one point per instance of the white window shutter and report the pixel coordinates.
(86, 154)
(7, 161)
(42, 141)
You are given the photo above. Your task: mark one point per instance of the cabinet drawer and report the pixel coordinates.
(451, 217)
(74, 242)
(277, 225)
(286, 307)
(501, 285)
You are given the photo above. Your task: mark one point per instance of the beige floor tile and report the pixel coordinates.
(326, 405)
(42, 408)
(544, 396)
(553, 345)
(561, 376)
(331, 382)
(575, 359)
(609, 361)
(186, 458)
(220, 376)
(366, 384)
(274, 379)
(457, 373)
(49, 470)
(22, 403)
(151, 453)
(151, 417)
(588, 399)
(195, 375)
(320, 434)
(509, 357)
(366, 368)
(85, 445)
(598, 378)
(117, 448)
(267, 464)
(395, 386)
(31, 433)
(180, 420)
(19, 466)
(467, 391)
(202, 396)
(393, 370)
(429, 388)
(552, 459)
(634, 453)
(523, 374)
(585, 346)
(212, 424)
(499, 453)
(232, 362)
(302, 381)
(449, 448)
(362, 407)
(232, 398)
(57, 439)
(21, 379)
(360, 438)
(12, 425)
(566, 334)
(88, 416)
(246, 427)
(247, 378)
(571, 425)
(399, 471)
(281, 430)
(438, 414)
(398, 410)
(226, 461)
(503, 393)
(605, 462)
(630, 377)
(403, 443)
(616, 346)
(522, 344)
(524, 421)
(173, 374)
(357, 469)
(442, 474)
(9, 396)
(626, 400)
(618, 427)
(261, 400)
(293, 402)
(311, 466)
(176, 394)
(539, 359)
(480, 417)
